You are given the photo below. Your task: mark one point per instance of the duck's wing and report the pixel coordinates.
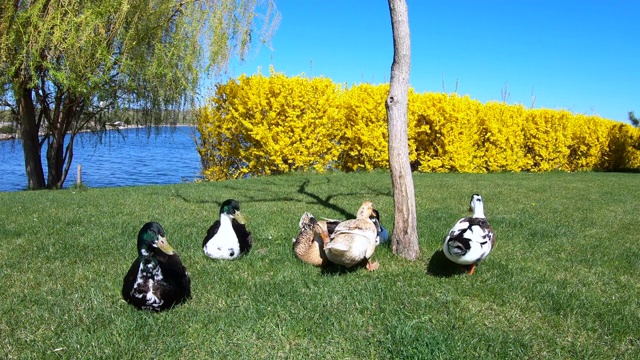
(175, 286)
(213, 230)
(482, 231)
(355, 224)
(309, 249)
(468, 230)
(130, 279)
(489, 234)
(244, 236)
(337, 247)
(460, 226)
(303, 240)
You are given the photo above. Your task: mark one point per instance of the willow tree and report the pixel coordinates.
(634, 121)
(63, 64)
(404, 241)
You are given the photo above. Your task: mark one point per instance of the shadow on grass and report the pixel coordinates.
(622, 171)
(335, 269)
(314, 198)
(218, 202)
(440, 266)
(326, 202)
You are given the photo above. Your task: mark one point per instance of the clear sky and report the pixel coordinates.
(578, 55)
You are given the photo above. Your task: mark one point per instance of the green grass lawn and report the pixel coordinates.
(563, 281)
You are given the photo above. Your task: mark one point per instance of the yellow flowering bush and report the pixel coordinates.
(623, 153)
(260, 125)
(503, 139)
(548, 139)
(364, 140)
(589, 147)
(447, 132)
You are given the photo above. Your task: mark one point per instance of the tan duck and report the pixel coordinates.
(354, 241)
(308, 246)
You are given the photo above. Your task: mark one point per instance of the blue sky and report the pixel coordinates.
(581, 56)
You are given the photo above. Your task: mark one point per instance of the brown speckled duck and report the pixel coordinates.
(308, 246)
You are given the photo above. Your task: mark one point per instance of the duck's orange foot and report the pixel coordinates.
(372, 266)
(473, 269)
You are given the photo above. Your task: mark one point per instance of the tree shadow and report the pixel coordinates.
(219, 202)
(440, 266)
(309, 197)
(326, 202)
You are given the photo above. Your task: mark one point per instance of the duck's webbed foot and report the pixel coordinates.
(473, 269)
(372, 266)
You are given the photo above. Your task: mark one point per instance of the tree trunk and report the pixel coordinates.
(55, 161)
(63, 117)
(29, 131)
(404, 241)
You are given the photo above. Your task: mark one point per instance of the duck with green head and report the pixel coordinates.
(228, 237)
(156, 280)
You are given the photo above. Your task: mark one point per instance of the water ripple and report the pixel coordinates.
(145, 156)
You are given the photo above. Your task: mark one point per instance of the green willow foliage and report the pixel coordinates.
(260, 125)
(65, 63)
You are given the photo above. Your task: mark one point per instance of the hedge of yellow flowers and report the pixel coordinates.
(260, 125)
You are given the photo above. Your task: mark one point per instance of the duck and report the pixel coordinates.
(354, 241)
(157, 280)
(330, 224)
(471, 239)
(308, 246)
(383, 234)
(228, 237)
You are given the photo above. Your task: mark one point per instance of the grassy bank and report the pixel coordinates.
(561, 283)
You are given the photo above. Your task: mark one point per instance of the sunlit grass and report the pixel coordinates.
(561, 283)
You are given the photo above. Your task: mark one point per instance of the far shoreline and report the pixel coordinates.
(108, 127)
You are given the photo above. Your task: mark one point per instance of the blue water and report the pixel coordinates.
(144, 156)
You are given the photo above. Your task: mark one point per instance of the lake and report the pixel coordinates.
(126, 157)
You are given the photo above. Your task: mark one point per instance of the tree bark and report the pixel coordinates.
(29, 131)
(404, 241)
(62, 119)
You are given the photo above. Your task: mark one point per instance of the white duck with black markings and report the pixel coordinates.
(471, 239)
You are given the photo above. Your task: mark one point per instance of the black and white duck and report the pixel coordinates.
(471, 239)
(228, 237)
(156, 280)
